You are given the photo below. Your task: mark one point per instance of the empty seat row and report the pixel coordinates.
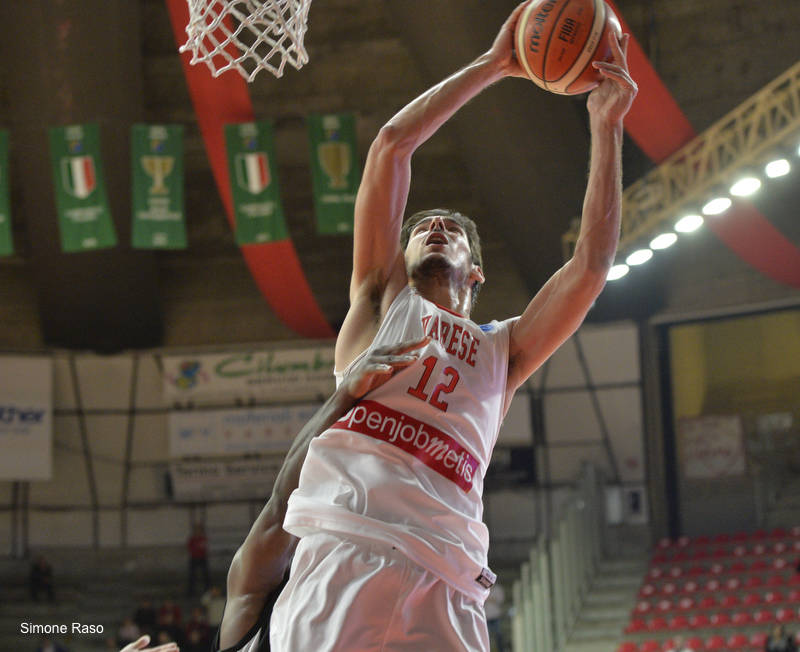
(710, 601)
(733, 566)
(669, 556)
(701, 620)
(730, 585)
(715, 643)
(738, 537)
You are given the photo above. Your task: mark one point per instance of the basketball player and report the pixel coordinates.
(261, 561)
(393, 551)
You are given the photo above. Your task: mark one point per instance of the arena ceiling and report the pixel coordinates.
(515, 158)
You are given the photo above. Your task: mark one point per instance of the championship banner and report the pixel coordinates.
(84, 216)
(265, 375)
(334, 170)
(199, 480)
(6, 238)
(254, 183)
(243, 431)
(157, 178)
(26, 404)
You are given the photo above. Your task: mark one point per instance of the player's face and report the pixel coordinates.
(441, 237)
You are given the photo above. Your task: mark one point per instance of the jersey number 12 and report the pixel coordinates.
(442, 388)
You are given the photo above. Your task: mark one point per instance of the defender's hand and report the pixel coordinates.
(614, 96)
(379, 366)
(142, 642)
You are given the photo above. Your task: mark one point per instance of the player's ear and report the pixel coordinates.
(476, 274)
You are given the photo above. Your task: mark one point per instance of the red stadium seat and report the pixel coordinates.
(776, 580)
(636, 625)
(676, 571)
(763, 617)
(759, 535)
(796, 545)
(721, 619)
(773, 597)
(701, 553)
(642, 607)
(793, 596)
(720, 553)
(682, 542)
(665, 543)
(657, 624)
(780, 563)
(741, 618)
(794, 580)
(655, 573)
(647, 590)
(690, 587)
(722, 538)
(752, 600)
(650, 646)
(716, 642)
(740, 536)
(685, 604)
(779, 533)
(758, 640)
(779, 548)
(669, 588)
(753, 581)
(759, 549)
(680, 622)
(795, 531)
(713, 585)
(738, 642)
(730, 600)
(739, 551)
(737, 566)
(707, 602)
(696, 570)
(759, 565)
(702, 540)
(785, 615)
(716, 569)
(699, 621)
(628, 646)
(664, 605)
(733, 584)
(696, 644)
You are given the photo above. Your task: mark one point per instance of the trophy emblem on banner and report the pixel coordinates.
(158, 168)
(334, 155)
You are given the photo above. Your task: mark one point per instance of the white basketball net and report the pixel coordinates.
(247, 35)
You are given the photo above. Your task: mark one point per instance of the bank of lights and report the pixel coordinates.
(745, 186)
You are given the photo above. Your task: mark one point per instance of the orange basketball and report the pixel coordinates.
(557, 40)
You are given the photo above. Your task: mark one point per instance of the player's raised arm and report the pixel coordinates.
(561, 305)
(378, 266)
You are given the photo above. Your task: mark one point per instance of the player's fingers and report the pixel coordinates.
(167, 647)
(400, 360)
(139, 644)
(626, 40)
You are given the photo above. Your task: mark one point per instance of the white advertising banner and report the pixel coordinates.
(711, 447)
(220, 480)
(265, 375)
(26, 418)
(243, 431)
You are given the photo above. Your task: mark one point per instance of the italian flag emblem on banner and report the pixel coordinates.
(157, 177)
(6, 239)
(335, 171)
(254, 184)
(83, 212)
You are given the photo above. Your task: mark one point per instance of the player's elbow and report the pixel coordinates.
(394, 140)
(590, 270)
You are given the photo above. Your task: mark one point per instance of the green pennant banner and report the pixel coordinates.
(254, 183)
(157, 177)
(6, 238)
(84, 217)
(335, 170)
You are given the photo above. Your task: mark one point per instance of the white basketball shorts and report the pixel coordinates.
(354, 595)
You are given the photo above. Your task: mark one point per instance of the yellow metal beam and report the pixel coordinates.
(743, 137)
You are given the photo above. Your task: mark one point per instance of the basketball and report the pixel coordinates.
(557, 40)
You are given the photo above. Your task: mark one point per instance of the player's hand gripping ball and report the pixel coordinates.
(557, 40)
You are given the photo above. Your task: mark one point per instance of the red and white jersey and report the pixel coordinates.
(405, 466)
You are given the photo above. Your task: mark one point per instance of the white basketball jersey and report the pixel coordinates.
(405, 466)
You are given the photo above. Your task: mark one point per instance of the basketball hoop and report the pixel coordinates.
(247, 35)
